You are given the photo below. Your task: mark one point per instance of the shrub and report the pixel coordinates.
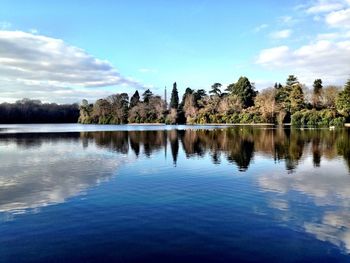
(313, 118)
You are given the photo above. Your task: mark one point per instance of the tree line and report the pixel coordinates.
(239, 102)
(34, 111)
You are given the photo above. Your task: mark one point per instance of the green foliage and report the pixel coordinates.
(282, 96)
(317, 86)
(314, 118)
(343, 100)
(281, 104)
(215, 89)
(317, 94)
(174, 100)
(250, 117)
(278, 86)
(291, 80)
(85, 115)
(290, 97)
(244, 90)
(296, 98)
(199, 95)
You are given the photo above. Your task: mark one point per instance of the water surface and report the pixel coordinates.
(173, 194)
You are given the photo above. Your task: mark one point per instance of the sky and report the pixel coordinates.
(65, 51)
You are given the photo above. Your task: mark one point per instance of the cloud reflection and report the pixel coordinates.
(51, 172)
(328, 188)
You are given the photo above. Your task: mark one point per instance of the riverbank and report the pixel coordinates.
(211, 124)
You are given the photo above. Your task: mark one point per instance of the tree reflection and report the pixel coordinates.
(343, 145)
(75, 161)
(174, 144)
(135, 139)
(237, 145)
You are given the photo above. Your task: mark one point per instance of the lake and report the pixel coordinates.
(75, 193)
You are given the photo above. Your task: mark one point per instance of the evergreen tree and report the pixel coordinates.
(317, 86)
(296, 98)
(199, 95)
(316, 92)
(174, 100)
(343, 100)
(230, 87)
(291, 80)
(134, 99)
(215, 89)
(283, 94)
(278, 86)
(244, 90)
(147, 95)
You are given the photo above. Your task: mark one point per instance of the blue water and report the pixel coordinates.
(195, 194)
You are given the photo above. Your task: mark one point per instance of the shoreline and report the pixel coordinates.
(233, 124)
(141, 124)
(205, 124)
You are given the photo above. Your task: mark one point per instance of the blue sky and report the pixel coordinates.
(89, 49)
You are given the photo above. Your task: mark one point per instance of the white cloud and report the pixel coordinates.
(31, 63)
(273, 56)
(328, 36)
(327, 56)
(324, 6)
(336, 13)
(334, 36)
(34, 57)
(11, 91)
(326, 59)
(339, 18)
(282, 34)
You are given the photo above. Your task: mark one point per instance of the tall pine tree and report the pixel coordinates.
(174, 100)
